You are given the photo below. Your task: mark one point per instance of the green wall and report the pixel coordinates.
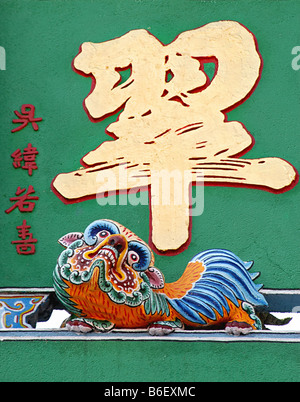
(41, 38)
(149, 361)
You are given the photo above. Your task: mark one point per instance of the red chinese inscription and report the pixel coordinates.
(17, 157)
(28, 156)
(27, 243)
(26, 117)
(23, 200)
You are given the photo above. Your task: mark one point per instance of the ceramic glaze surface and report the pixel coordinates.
(106, 278)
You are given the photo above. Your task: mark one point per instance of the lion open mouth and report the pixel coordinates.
(109, 253)
(122, 277)
(114, 252)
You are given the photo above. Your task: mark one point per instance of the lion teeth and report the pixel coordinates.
(109, 254)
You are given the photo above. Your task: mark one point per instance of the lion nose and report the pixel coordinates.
(118, 242)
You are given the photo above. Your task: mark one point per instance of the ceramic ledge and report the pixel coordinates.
(142, 335)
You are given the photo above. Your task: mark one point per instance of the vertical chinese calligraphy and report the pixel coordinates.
(23, 202)
(27, 243)
(28, 156)
(24, 199)
(26, 117)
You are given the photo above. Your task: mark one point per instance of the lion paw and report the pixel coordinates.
(238, 328)
(160, 329)
(78, 325)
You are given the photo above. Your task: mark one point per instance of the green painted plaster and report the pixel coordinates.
(138, 361)
(41, 38)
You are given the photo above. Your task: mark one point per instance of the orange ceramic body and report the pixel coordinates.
(106, 278)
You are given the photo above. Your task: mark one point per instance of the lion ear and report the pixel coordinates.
(156, 278)
(69, 238)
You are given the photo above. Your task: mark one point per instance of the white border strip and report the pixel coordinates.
(142, 335)
(51, 290)
(25, 290)
(280, 291)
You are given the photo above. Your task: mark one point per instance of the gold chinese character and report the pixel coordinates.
(173, 119)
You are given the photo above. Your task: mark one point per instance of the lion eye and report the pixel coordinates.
(139, 255)
(103, 234)
(133, 257)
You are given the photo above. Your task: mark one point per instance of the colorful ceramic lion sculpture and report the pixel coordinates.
(106, 279)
